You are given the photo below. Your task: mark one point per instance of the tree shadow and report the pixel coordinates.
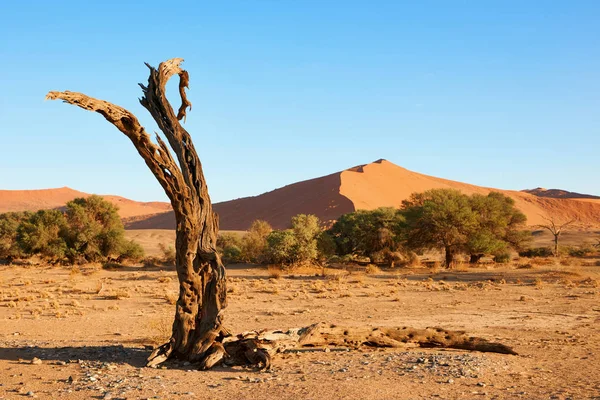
(135, 357)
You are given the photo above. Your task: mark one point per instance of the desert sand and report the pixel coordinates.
(85, 332)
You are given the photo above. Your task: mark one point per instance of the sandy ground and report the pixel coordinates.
(85, 333)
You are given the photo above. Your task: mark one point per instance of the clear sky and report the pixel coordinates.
(501, 93)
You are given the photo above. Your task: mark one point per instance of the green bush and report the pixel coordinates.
(89, 230)
(43, 233)
(325, 246)
(131, 251)
(254, 243)
(231, 254)
(502, 258)
(9, 225)
(536, 252)
(580, 251)
(281, 247)
(229, 244)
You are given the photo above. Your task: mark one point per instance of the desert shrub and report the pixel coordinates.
(306, 229)
(580, 251)
(371, 269)
(502, 258)
(95, 231)
(169, 256)
(231, 254)
(281, 246)
(412, 259)
(131, 251)
(230, 246)
(536, 252)
(254, 243)
(325, 246)
(42, 233)
(9, 225)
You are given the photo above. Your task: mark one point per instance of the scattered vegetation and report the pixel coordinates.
(89, 230)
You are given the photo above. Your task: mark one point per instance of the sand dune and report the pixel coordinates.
(559, 194)
(378, 184)
(33, 200)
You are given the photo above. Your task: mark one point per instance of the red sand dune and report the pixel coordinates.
(369, 186)
(33, 200)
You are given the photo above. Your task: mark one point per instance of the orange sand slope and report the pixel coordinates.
(33, 200)
(369, 186)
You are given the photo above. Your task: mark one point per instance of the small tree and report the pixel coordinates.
(295, 245)
(95, 230)
(306, 229)
(254, 243)
(556, 229)
(499, 226)
(368, 232)
(281, 247)
(439, 218)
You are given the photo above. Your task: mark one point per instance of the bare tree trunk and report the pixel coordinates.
(198, 325)
(449, 256)
(198, 333)
(556, 229)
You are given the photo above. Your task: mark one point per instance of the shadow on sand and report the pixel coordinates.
(135, 357)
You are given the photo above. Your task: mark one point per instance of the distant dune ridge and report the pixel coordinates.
(33, 200)
(378, 184)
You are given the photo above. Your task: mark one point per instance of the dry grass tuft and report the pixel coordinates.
(75, 271)
(171, 298)
(274, 271)
(372, 269)
(159, 329)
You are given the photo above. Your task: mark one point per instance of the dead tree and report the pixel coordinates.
(198, 333)
(555, 229)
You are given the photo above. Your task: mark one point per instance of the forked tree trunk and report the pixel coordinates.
(198, 333)
(198, 325)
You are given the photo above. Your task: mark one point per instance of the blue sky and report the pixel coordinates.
(497, 93)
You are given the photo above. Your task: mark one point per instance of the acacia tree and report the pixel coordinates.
(198, 333)
(439, 218)
(556, 229)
